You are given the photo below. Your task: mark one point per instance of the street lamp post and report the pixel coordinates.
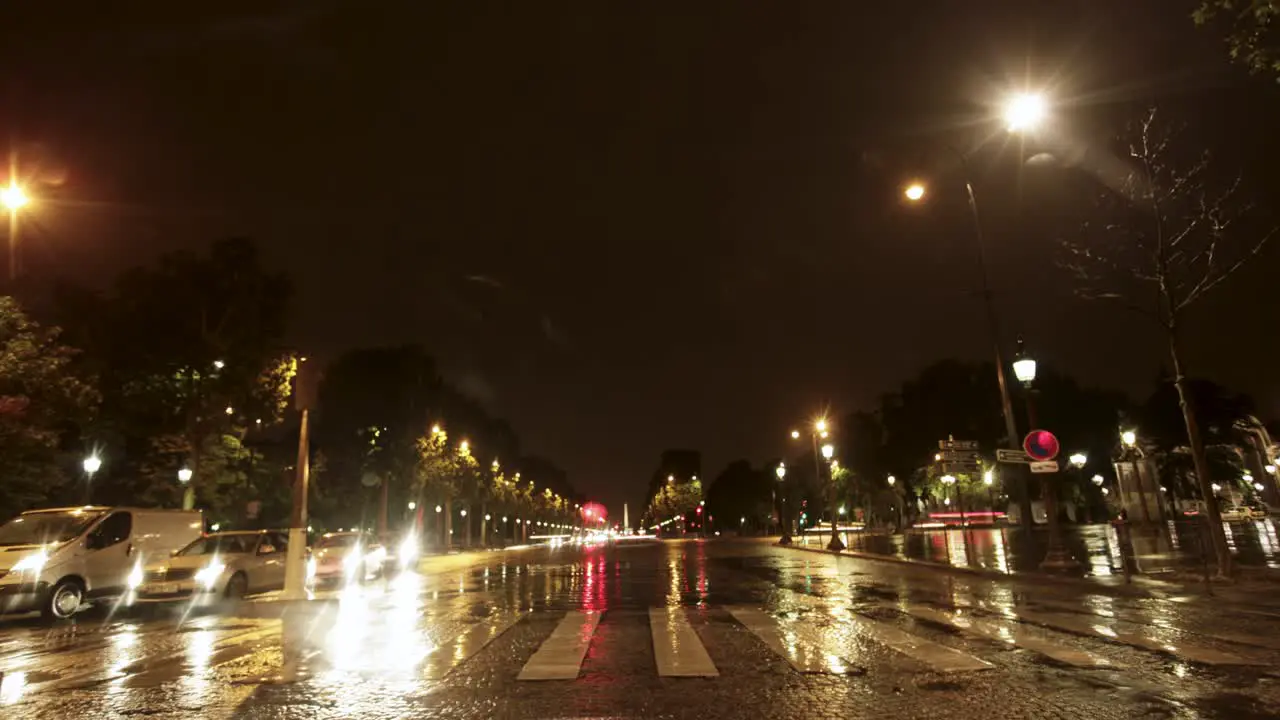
(92, 464)
(188, 492)
(1078, 461)
(14, 199)
(836, 544)
(1021, 113)
(989, 479)
(781, 471)
(827, 451)
(1057, 557)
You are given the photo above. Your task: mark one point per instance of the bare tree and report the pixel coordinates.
(1168, 233)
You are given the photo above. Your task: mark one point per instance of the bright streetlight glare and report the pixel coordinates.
(184, 475)
(1097, 480)
(13, 197)
(413, 505)
(821, 425)
(1024, 369)
(795, 434)
(1078, 459)
(1129, 438)
(914, 192)
(92, 464)
(988, 477)
(828, 451)
(1024, 112)
(892, 480)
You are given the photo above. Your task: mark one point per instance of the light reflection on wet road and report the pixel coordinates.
(767, 632)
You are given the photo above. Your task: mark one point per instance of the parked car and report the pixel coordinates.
(54, 560)
(223, 565)
(346, 556)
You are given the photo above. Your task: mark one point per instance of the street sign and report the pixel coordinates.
(1012, 456)
(1045, 466)
(957, 444)
(1041, 445)
(959, 456)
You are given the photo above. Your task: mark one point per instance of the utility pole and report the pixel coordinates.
(305, 382)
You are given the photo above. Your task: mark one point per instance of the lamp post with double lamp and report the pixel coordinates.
(783, 518)
(92, 464)
(820, 431)
(1021, 113)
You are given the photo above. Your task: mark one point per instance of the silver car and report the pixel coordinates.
(225, 565)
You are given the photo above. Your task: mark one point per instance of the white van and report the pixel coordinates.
(53, 560)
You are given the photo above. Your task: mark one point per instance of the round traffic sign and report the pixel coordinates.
(1041, 445)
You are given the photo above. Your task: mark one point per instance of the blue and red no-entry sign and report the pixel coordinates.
(1041, 445)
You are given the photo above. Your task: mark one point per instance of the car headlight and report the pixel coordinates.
(31, 563)
(135, 577)
(311, 568)
(208, 575)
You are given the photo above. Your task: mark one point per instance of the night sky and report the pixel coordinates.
(630, 226)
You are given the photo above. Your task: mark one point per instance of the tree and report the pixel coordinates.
(1168, 232)
(375, 404)
(41, 403)
(1252, 30)
(741, 491)
(188, 356)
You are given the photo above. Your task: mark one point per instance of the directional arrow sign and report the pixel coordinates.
(1012, 456)
(1041, 445)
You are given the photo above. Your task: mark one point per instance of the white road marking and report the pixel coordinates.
(796, 643)
(1109, 630)
(938, 657)
(450, 655)
(1010, 634)
(676, 647)
(559, 657)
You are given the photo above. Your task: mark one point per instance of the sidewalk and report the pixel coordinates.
(1258, 588)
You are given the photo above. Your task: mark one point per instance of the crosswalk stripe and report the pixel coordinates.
(560, 656)
(1142, 618)
(1009, 634)
(1108, 630)
(794, 643)
(676, 647)
(938, 657)
(445, 658)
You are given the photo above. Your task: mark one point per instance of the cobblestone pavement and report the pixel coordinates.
(723, 629)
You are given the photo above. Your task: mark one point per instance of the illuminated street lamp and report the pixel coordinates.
(14, 198)
(1024, 366)
(1129, 438)
(1025, 112)
(914, 192)
(92, 464)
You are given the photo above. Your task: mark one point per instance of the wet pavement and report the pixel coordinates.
(677, 629)
(1102, 549)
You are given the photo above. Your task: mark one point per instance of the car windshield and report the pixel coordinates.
(41, 528)
(337, 541)
(222, 545)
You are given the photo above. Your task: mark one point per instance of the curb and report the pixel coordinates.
(991, 574)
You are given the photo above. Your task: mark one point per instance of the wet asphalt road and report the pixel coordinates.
(774, 633)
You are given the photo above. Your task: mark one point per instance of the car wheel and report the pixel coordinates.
(64, 600)
(237, 586)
